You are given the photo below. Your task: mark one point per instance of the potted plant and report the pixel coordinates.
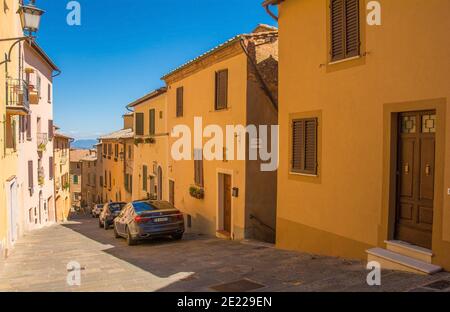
(138, 141)
(150, 141)
(41, 181)
(42, 147)
(197, 192)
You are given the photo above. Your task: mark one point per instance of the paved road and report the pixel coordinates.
(197, 263)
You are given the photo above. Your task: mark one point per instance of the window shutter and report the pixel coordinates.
(152, 122)
(198, 167)
(337, 30)
(30, 174)
(139, 123)
(131, 183)
(50, 169)
(50, 130)
(298, 136)
(345, 29)
(352, 28)
(28, 119)
(144, 178)
(180, 100)
(49, 93)
(221, 89)
(311, 146)
(304, 146)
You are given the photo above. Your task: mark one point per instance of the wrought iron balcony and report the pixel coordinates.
(42, 140)
(17, 97)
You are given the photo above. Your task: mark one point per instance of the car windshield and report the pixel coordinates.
(116, 206)
(141, 207)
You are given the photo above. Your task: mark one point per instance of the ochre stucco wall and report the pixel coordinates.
(344, 210)
(199, 90)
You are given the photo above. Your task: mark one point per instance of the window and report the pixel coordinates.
(345, 29)
(50, 169)
(144, 178)
(50, 130)
(139, 123)
(152, 122)
(28, 127)
(130, 156)
(49, 93)
(75, 179)
(109, 149)
(110, 180)
(38, 85)
(116, 151)
(106, 179)
(304, 146)
(105, 150)
(221, 89)
(198, 167)
(30, 175)
(180, 100)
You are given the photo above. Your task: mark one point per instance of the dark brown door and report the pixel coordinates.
(416, 160)
(227, 203)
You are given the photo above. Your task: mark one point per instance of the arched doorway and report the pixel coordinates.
(160, 183)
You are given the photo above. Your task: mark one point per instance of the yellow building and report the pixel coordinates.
(89, 192)
(364, 150)
(233, 84)
(116, 166)
(61, 152)
(12, 104)
(150, 153)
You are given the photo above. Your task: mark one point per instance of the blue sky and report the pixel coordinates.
(123, 48)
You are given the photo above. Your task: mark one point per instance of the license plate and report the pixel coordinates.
(161, 220)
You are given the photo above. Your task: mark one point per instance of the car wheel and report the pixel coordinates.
(177, 236)
(100, 225)
(130, 240)
(116, 235)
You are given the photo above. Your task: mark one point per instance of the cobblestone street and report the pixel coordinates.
(197, 263)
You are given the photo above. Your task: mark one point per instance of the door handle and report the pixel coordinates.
(427, 170)
(407, 169)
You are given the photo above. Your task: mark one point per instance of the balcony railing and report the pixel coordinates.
(42, 140)
(17, 97)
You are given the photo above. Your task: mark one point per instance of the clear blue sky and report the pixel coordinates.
(123, 48)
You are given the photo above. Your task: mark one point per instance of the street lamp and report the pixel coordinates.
(30, 18)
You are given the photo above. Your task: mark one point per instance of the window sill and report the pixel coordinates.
(303, 174)
(345, 60)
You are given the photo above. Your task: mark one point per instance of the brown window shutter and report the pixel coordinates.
(311, 146)
(50, 130)
(352, 36)
(337, 30)
(28, 120)
(180, 100)
(144, 178)
(30, 175)
(221, 89)
(198, 167)
(152, 122)
(139, 123)
(304, 146)
(298, 136)
(345, 29)
(50, 169)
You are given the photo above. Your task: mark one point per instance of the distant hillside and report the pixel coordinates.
(84, 144)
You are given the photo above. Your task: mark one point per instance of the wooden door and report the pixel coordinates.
(227, 203)
(416, 171)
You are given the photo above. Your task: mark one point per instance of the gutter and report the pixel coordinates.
(266, 4)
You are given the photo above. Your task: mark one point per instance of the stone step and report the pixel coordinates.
(409, 250)
(390, 260)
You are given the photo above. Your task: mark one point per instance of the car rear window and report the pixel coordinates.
(116, 206)
(141, 207)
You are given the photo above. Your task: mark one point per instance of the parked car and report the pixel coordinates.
(109, 213)
(141, 220)
(96, 210)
